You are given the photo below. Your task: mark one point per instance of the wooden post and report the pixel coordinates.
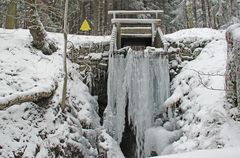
(153, 33)
(156, 15)
(118, 35)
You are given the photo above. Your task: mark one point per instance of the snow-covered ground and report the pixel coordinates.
(35, 129)
(38, 128)
(204, 116)
(214, 153)
(196, 34)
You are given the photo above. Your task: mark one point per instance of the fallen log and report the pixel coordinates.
(33, 95)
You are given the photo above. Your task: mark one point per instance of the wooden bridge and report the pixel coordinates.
(136, 32)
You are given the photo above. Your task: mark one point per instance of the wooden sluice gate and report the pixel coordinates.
(135, 32)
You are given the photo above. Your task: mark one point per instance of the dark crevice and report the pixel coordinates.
(128, 144)
(99, 89)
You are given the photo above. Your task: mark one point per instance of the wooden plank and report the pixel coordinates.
(135, 12)
(136, 35)
(136, 30)
(135, 21)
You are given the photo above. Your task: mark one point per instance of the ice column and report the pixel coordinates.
(141, 79)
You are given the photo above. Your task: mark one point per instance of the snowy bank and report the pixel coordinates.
(214, 153)
(195, 34)
(37, 127)
(199, 97)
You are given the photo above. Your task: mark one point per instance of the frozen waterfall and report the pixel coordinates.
(138, 80)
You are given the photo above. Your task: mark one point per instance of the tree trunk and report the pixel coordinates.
(100, 17)
(110, 7)
(209, 14)
(204, 14)
(231, 8)
(11, 15)
(64, 93)
(37, 31)
(189, 13)
(195, 13)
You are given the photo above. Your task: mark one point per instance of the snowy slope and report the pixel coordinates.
(204, 116)
(38, 129)
(214, 153)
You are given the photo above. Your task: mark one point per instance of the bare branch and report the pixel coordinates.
(206, 74)
(202, 83)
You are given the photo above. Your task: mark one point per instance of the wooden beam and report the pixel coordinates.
(136, 35)
(135, 21)
(135, 12)
(136, 30)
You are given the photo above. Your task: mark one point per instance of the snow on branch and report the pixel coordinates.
(200, 74)
(32, 95)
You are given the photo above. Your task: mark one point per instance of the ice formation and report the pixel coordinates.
(139, 79)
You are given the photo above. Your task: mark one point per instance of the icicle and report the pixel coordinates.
(142, 78)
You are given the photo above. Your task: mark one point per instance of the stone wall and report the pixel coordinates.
(93, 61)
(181, 51)
(233, 64)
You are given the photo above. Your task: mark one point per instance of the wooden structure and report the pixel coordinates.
(136, 31)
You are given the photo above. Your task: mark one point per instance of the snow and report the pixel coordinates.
(195, 34)
(95, 56)
(158, 138)
(214, 153)
(235, 31)
(110, 145)
(38, 129)
(204, 119)
(17, 76)
(204, 115)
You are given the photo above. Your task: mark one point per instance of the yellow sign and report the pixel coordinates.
(85, 26)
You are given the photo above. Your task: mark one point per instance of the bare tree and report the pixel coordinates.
(65, 33)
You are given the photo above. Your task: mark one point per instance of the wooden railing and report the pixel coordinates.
(132, 12)
(141, 31)
(113, 40)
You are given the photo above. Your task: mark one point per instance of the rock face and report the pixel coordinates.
(233, 64)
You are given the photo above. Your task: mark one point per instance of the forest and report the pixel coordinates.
(119, 78)
(178, 14)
